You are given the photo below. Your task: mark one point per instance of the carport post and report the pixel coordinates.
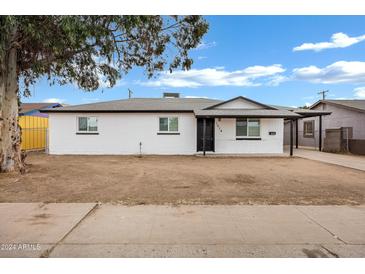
(296, 133)
(320, 133)
(291, 137)
(204, 133)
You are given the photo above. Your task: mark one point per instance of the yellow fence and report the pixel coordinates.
(34, 132)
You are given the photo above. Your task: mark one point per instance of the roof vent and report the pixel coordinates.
(171, 95)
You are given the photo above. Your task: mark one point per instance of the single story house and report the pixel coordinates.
(168, 126)
(347, 117)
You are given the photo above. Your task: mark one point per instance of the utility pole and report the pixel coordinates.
(130, 93)
(323, 92)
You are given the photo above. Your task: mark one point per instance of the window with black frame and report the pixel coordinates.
(247, 128)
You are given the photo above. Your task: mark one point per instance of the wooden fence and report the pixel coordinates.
(34, 132)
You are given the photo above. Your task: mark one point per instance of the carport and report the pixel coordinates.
(305, 113)
(289, 114)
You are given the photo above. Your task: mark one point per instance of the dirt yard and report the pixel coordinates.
(183, 180)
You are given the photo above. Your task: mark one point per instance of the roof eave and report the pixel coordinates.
(313, 114)
(112, 111)
(247, 116)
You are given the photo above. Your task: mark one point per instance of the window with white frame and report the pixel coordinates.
(247, 127)
(308, 128)
(87, 124)
(168, 124)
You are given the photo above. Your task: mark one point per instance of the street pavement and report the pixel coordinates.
(108, 230)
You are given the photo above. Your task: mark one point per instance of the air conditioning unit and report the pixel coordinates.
(171, 95)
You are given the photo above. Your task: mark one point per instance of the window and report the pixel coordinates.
(169, 124)
(254, 127)
(87, 124)
(308, 128)
(247, 127)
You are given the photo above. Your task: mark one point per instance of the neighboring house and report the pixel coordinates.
(33, 109)
(34, 125)
(168, 126)
(346, 115)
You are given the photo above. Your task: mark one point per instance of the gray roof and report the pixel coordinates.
(349, 104)
(310, 112)
(262, 113)
(200, 106)
(304, 112)
(142, 105)
(283, 107)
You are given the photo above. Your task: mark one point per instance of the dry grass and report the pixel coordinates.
(183, 180)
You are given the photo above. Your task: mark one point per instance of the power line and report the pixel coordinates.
(130, 93)
(323, 92)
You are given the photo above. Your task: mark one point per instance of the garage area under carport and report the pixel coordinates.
(304, 113)
(291, 115)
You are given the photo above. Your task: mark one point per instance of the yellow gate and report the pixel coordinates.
(34, 132)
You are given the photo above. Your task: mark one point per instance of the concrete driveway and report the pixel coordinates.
(91, 230)
(351, 161)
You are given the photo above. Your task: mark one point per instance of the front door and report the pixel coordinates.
(209, 134)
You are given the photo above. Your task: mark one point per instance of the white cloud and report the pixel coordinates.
(343, 98)
(102, 80)
(204, 45)
(338, 40)
(54, 100)
(103, 83)
(202, 57)
(338, 72)
(277, 80)
(218, 76)
(307, 104)
(360, 92)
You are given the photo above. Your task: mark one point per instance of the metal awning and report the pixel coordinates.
(310, 113)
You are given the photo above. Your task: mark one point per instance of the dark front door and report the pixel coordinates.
(209, 134)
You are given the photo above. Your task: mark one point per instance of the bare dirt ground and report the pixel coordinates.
(183, 180)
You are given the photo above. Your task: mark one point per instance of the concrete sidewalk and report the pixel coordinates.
(351, 161)
(87, 230)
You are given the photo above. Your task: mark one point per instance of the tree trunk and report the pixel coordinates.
(10, 136)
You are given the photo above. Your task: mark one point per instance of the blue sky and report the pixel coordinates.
(282, 60)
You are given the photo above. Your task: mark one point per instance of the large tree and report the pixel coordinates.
(84, 50)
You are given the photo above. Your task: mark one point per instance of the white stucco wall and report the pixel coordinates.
(120, 134)
(225, 137)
